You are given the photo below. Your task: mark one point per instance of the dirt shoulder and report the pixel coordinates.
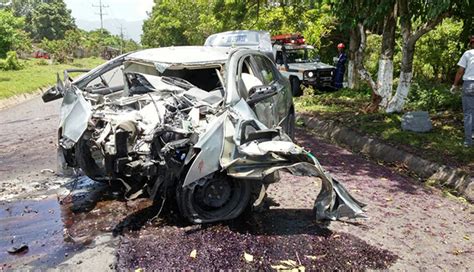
(424, 228)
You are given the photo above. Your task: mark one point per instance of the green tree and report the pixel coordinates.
(184, 22)
(51, 20)
(25, 8)
(12, 36)
(130, 46)
(352, 17)
(169, 21)
(95, 41)
(438, 52)
(417, 18)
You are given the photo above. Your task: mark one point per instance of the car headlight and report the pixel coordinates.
(310, 74)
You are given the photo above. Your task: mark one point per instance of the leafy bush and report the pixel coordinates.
(432, 98)
(58, 49)
(41, 62)
(11, 62)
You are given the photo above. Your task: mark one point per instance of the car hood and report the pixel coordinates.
(310, 66)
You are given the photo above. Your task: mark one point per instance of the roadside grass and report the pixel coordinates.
(38, 74)
(443, 144)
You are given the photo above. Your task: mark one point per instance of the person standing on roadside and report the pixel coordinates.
(466, 72)
(340, 66)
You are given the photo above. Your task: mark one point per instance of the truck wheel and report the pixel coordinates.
(295, 87)
(216, 197)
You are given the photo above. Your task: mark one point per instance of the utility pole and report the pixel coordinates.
(121, 39)
(101, 14)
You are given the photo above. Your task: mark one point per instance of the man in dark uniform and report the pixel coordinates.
(340, 66)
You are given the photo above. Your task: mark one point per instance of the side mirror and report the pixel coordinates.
(54, 92)
(259, 93)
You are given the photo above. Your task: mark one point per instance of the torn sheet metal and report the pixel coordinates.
(333, 201)
(75, 114)
(209, 147)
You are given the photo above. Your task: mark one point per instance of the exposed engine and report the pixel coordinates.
(147, 135)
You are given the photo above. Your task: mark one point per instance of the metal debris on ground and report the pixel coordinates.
(18, 249)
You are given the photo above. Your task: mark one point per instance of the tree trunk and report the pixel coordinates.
(363, 73)
(406, 68)
(385, 72)
(404, 84)
(408, 51)
(351, 69)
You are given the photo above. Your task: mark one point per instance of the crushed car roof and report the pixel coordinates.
(182, 55)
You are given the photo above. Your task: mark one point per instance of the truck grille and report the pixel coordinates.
(325, 73)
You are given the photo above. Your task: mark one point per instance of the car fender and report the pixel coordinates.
(75, 114)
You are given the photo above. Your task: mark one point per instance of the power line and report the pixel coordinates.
(101, 13)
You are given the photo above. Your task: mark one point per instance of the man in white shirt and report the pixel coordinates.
(466, 72)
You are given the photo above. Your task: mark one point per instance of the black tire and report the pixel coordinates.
(296, 87)
(198, 203)
(290, 124)
(85, 160)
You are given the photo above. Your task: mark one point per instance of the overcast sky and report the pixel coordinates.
(118, 12)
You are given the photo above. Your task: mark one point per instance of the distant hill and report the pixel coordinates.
(131, 30)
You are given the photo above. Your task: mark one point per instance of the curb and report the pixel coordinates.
(17, 99)
(447, 176)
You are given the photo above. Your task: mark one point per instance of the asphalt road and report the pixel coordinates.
(409, 226)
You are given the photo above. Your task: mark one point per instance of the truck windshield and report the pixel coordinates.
(300, 55)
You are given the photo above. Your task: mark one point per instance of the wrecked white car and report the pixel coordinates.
(207, 127)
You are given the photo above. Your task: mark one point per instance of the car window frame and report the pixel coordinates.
(253, 69)
(116, 74)
(85, 79)
(276, 76)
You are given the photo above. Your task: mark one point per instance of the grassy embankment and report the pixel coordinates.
(443, 144)
(37, 74)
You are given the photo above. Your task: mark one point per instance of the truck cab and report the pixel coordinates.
(300, 63)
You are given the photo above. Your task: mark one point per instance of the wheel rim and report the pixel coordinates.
(214, 198)
(213, 194)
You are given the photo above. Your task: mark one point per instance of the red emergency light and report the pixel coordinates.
(296, 39)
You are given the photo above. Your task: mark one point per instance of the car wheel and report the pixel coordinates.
(216, 197)
(296, 87)
(290, 125)
(89, 158)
